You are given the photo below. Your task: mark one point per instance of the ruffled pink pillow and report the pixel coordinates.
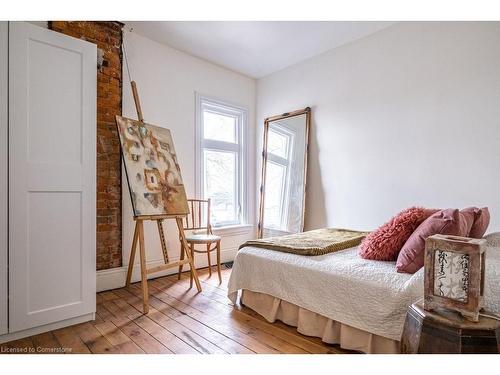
(386, 242)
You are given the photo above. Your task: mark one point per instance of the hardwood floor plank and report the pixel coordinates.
(97, 319)
(260, 324)
(180, 321)
(99, 298)
(223, 342)
(108, 295)
(168, 339)
(143, 339)
(189, 337)
(69, 338)
(206, 280)
(118, 338)
(95, 341)
(225, 311)
(46, 343)
(229, 326)
(239, 337)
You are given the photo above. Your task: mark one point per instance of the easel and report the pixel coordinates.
(139, 237)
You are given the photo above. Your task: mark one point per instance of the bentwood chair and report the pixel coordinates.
(199, 232)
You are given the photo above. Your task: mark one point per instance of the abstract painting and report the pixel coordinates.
(153, 173)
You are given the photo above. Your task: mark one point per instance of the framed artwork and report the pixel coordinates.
(153, 173)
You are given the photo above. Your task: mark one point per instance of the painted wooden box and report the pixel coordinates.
(454, 274)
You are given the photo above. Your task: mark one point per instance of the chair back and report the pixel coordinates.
(199, 216)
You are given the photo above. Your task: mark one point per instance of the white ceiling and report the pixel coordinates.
(258, 48)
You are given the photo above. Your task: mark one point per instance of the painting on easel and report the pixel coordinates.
(153, 173)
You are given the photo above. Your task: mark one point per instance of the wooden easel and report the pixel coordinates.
(139, 238)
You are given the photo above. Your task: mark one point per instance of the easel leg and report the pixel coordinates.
(132, 255)
(144, 279)
(187, 253)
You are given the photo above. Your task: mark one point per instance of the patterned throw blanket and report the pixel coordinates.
(314, 242)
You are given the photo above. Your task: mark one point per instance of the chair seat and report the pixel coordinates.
(202, 238)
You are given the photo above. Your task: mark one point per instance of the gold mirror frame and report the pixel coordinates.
(307, 112)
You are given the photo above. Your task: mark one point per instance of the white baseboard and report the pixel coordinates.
(114, 278)
(46, 328)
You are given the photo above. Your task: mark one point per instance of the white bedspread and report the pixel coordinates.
(369, 295)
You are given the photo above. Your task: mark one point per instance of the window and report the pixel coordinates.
(220, 161)
(280, 142)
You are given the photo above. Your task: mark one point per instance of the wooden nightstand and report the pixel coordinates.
(448, 333)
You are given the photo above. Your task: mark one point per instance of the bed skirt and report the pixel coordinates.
(311, 324)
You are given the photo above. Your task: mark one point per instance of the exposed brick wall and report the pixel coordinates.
(108, 37)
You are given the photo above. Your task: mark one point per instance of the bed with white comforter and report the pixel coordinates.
(364, 294)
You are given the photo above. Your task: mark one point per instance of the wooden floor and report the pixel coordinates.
(180, 321)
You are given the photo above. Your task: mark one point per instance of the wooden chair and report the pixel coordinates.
(194, 222)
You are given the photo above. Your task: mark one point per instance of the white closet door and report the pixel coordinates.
(52, 130)
(3, 175)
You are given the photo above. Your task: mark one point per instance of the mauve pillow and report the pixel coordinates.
(481, 222)
(469, 215)
(411, 256)
(386, 242)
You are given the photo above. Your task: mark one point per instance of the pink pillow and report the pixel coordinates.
(449, 221)
(469, 215)
(481, 222)
(386, 242)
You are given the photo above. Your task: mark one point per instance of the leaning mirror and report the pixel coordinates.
(284, 170)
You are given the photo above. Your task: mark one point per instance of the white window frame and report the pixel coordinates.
(204, 102)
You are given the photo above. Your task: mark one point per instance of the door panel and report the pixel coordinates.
(3, 175)
(67, 254)
(52, 109)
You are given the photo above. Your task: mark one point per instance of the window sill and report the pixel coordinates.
(233, 230)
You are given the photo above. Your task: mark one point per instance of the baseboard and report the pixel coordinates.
(114, 278)
(46, 328)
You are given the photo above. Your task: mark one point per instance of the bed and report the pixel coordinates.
(357, 303)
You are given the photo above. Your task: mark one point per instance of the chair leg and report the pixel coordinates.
(191, 273)
(218, 262)
(181, 265)
(209, 261)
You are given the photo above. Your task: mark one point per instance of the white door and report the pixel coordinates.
(4, 157)
(52, 157)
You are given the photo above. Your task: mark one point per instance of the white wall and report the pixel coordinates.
(407, 116)
(167, 80)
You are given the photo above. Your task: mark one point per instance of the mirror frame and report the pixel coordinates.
(306, 111)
